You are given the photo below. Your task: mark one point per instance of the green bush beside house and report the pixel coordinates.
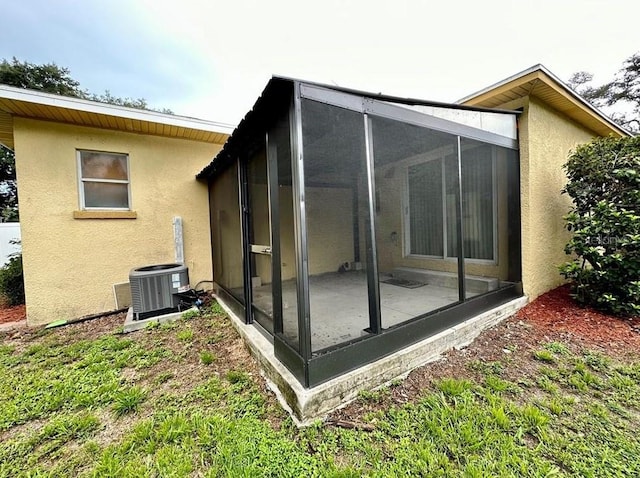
(11, 281)
(604, 184)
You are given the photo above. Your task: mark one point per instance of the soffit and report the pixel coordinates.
(47, 107)
(541, 84)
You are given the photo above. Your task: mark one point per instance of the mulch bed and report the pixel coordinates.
(12, 314)
(557, 313)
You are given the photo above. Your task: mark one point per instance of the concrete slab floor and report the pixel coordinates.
(131, 325)
(340, 305)
(308, 405)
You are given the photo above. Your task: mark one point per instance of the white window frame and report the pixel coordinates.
(82, 181)
(406, 210)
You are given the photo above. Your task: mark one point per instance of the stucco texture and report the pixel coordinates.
(70, 265)
(546, 139)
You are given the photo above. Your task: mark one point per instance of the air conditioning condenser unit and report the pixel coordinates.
(155, 289)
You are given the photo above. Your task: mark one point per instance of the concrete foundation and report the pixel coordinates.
(131, 325)
(309, 405)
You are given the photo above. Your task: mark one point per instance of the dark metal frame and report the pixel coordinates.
(314, 368)
(274, 204)
(245, 224)
(300, 224)
(375, 314)
(459, 226)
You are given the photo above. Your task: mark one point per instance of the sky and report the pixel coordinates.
(212, 59)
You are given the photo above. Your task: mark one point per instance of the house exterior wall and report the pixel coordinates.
(226, 230)
(546, 139)
(70, 265)
(329, 229)
(329, 232)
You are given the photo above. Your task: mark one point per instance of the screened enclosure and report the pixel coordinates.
(346, 225)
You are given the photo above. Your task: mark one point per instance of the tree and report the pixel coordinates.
(624, 89)
(52, 78)
(48, 77)
(604, 184)
(8, 187)
(139, 103)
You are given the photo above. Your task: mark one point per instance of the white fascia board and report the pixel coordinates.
(577, 97)
(502, 82)
(78, 104)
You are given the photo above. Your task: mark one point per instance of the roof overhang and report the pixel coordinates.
(539, 82)
(18, 102)
(270, 105)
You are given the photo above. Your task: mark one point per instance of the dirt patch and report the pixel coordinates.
(509, 346)
(23, 337)
(12, 314)
(179, 370)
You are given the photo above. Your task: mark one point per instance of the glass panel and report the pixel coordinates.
(336, 205)
(491, 224)
(478, 201)
(416, 181)
(226, 235)
(280, 146)
(107, 195)
(103, 165)
(425, 208)
(451, 203)
(260, 235)
(503, 124)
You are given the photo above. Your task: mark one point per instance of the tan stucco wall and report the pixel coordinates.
(329, 231)
(71, 264)
(546, 139)
(226, 229)
(329, 228)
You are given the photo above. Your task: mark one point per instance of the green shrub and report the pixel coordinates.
(604, 184)
(11, 281)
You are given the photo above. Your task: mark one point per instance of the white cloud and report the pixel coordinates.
(212, 58)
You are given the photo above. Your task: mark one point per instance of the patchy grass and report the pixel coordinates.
(544, 356)
(187, 400)
(128, 400)
(207, 357)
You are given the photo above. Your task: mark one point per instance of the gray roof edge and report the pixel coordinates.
(396, 99)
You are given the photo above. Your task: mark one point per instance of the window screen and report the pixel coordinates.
(425, 208)
(432, 206)
(478, 202)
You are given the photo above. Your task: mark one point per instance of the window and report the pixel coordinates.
(426, 220)
(431, 205)
(104, 180)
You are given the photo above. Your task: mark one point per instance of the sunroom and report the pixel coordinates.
(347, 225)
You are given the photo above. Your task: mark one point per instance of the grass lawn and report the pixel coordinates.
(187, 400)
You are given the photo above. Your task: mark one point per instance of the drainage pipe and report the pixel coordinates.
(63, 322)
